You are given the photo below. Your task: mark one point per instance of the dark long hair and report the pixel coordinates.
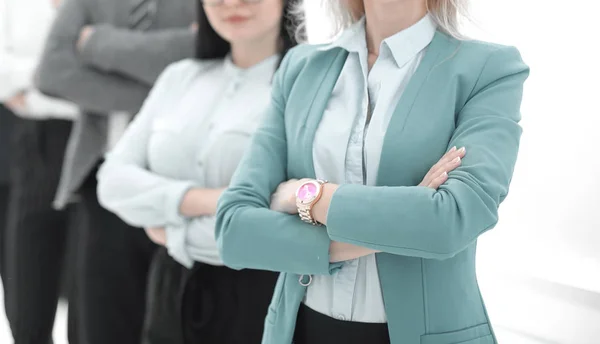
(209, 45)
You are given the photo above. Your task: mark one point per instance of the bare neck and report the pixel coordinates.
(386, 18)
(246, 54)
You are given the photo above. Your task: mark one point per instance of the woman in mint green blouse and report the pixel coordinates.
(332, 192)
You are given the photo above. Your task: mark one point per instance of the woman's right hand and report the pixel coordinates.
(438, 174)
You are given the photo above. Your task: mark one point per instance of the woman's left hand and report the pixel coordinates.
(284, 198)
(157, 235)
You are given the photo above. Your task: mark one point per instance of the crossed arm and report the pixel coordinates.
(115, 68)
(411, 221)
(176, 213)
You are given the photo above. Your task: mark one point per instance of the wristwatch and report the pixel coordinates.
(307, 195)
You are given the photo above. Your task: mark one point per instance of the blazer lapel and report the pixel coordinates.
(405, 293)
(437, 50)
(318, 88)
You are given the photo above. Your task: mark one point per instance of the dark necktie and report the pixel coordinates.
(142, 14)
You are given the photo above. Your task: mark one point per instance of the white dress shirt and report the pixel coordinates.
(191, 132)
(24, 25)
(347, 149)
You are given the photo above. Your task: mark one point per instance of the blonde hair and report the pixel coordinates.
(446, 14)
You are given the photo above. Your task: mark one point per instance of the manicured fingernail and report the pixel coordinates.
(463, 149)
(445, 174)
(453, 149)
(457, 159)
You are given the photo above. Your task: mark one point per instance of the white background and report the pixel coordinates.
(540, 267)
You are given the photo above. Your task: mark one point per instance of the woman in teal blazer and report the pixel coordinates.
(462, 93)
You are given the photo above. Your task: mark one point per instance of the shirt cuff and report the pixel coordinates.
(173, 202)
(176, 245)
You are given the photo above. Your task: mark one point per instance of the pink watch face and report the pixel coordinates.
(307, 192)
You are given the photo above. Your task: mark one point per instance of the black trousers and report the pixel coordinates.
(166, 284)
(313, 327)
(4, 192)
(7, 120)
(35, 241)
(112, 267)
(207, 304)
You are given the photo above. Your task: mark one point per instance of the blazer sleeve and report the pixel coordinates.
(125, 185)
(62, 74)
(248, 233)
(421, 222)
(139, 55)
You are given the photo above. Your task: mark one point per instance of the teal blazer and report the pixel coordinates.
(464, 93)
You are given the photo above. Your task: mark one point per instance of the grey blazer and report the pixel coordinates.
(113, 73)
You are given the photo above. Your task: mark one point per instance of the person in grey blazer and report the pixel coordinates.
(104, 55)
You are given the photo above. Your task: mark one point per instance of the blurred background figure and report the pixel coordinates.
(35, 241)
(169, 169)
(104, 55)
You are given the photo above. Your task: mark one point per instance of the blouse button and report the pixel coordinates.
(341, 317)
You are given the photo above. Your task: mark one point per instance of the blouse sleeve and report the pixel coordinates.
(125, 185)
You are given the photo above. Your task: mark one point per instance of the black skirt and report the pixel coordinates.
(313, 327)
(207, 304)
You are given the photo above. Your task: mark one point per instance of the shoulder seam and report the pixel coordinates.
(487, 60)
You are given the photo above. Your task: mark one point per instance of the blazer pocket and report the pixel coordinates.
(479, 334)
